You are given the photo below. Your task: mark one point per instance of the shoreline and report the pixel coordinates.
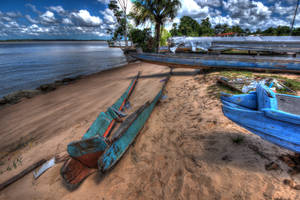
(18, 96)
(53, 117)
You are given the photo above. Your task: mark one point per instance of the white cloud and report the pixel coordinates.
(191, 8)
(83, 18)
(7, 19)
(58, 9)
(48, 17)
(33, 8)
(104, 1)
(13, 14)
(282, 10)
(211, 3)
(224, 20)
(28, 17)
(55, 20)
(66, 21)
(108, 16)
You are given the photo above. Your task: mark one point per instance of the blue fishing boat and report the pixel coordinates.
(221, 61)
(274, 117)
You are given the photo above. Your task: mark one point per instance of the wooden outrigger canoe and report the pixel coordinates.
(206, 61)
(96, 151)
(85, 152)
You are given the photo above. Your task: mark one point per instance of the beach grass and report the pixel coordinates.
(293, 84)
(236, 73)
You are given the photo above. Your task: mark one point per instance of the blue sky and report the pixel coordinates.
(89, 19)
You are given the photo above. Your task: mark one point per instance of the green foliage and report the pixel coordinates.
(188, 27)
(283, 30)
(279, 31)
(237, 29)
(206, 29)
(296, 32)
(142, 38)
(156, 11)
(119, 31)
(165, 35)
(222, 28)
(258, 31)
(174, 30)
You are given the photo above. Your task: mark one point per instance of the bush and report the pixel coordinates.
(143, 39)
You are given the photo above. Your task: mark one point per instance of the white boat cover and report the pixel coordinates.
(205, 43)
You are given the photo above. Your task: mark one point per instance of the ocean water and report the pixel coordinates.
(27, 65)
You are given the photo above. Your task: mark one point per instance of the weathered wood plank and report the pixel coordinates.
(22, 174)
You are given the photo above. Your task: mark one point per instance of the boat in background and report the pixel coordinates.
(274, 117)
(221, 61)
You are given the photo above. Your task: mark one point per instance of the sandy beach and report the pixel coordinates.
(184, 151)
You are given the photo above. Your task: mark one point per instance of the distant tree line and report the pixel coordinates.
(190, 27)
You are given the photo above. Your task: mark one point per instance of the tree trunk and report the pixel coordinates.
(157, 30)
(292, 26)
(125, 34)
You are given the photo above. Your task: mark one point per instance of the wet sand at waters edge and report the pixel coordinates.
(184, 151)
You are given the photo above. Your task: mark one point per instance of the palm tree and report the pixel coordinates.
(157, 11)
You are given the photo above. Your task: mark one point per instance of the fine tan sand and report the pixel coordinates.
(185, 150)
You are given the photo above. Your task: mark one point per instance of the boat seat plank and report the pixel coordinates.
(288, 104)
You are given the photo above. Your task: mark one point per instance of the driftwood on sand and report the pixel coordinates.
(22, 174)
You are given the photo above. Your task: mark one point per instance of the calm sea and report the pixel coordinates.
(27, 65)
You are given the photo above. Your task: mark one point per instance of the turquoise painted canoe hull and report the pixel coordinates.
(259, 112)
(100, 128)
(114, 153)
(86, 152)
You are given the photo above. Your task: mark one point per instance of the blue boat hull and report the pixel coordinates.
(281, 133)
(223, 61)
(258, 112)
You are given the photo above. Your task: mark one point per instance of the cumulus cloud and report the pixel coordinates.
(55, 20)
(211, 3)
(28, 17)
(108, 16)
(33, 8)
(67, 21)
(13, 14)
(192, 8)
(83, 18)
(278, 8)
(104, 1)
(58, 9)
(246, 13)
(48, 17)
